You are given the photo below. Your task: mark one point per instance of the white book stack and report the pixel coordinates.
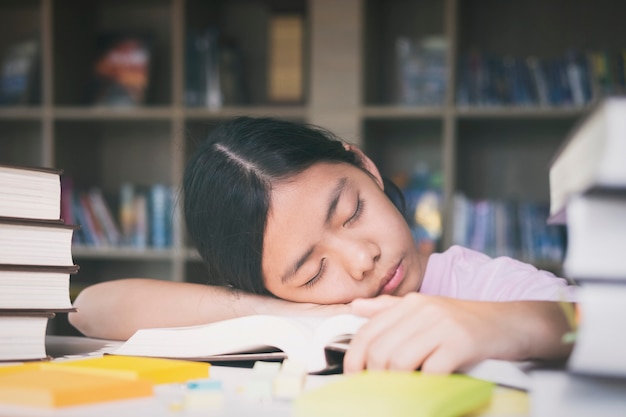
(35, 260)
(588, 194)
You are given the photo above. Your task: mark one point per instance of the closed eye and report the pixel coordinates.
(360, 203)
(320, 274)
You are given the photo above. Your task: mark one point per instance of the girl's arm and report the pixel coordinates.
(116, 309)
(442, 335)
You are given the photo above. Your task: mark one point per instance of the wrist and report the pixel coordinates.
(543, 326)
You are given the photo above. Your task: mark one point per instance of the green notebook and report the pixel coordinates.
(396, 394)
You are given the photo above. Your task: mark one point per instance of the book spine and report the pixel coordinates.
(127, 212)
(91, 220)
(160, 216)
(140, 233)
(104, 217)
(87, 234)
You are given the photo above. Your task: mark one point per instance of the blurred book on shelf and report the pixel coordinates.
(19, 77)
(142, 218)
(202, 69)
(421, 71)
(517, 229)
(121, 71)
(286, 58)
(214, 70)
(422, 190)
(573, 79)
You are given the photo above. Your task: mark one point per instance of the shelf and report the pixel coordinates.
(122, 253)
(286, 112)
(519, 112)
(113, 113)
(351, 87)
(402, 112)
(21, 113)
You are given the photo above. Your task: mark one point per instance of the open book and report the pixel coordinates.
(309, 340)
(319, 342)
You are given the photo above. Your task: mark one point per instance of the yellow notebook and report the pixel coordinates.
(395, 394)
(157, 370)
(55, 388)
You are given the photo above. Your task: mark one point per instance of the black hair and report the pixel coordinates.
(227, 187)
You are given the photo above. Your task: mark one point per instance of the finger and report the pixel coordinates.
(381, 350)
(414, 351)
(444, 360)
(356, 357)
(397, 315)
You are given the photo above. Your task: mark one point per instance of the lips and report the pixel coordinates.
(392, 280)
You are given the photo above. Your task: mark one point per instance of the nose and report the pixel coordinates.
(358, 256)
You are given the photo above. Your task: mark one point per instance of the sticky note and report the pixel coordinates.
(394, 393)
(50, 388)
(157, 370)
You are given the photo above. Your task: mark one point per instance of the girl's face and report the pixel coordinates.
(333, 235)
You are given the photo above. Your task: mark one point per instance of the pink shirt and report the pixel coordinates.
(464, 273)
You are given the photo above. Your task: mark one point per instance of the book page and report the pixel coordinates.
(292, 335)
(600, 346)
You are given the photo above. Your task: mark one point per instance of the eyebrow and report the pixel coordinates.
(333, 201)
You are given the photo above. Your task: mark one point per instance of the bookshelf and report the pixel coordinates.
(350, 77)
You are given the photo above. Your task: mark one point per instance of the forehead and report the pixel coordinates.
(305, 193)
(297, 210)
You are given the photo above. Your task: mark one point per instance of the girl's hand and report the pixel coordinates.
(442, 335)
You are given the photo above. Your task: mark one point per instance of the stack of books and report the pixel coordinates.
(35, 260)
(588, 194)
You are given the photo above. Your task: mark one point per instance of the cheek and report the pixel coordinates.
(321, 294)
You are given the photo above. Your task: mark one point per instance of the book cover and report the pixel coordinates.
(35, 287)
(30, 192)
(592, 156)
(398, 394)
(156, 370)
(57, 388)
(121, 71)
(35, 242)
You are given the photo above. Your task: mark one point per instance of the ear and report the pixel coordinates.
(368, 164)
